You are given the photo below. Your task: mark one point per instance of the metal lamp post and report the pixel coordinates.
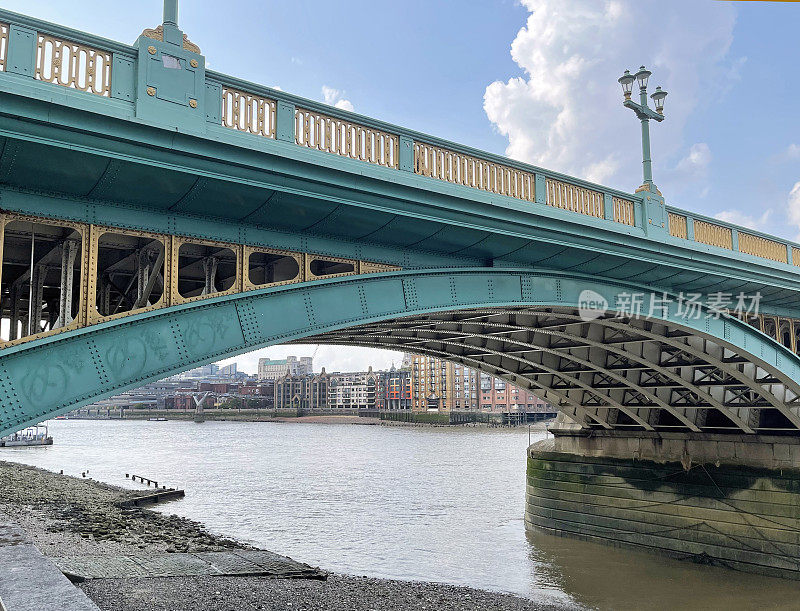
(644, 113)
(171, 12)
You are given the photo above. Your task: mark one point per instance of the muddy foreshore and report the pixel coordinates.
(70, 516)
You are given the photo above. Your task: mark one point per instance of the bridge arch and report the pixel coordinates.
(665, 372)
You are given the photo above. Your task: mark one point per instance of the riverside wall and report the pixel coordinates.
(717, 499)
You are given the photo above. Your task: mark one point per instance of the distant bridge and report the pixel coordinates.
(157, 215)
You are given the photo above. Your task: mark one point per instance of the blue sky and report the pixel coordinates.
(534, 79)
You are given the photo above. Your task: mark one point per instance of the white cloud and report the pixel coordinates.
(566, 113)
(691, 173)
(334, 97)
(792, 151)
(333, 358)
(695, 164)
(737, 217)
(793, 208)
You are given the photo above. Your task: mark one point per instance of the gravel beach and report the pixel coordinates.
(338, 593)
(71, 516)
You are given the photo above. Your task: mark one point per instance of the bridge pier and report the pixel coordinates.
(727, 500)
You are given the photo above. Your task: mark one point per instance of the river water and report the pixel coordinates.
(433, 504)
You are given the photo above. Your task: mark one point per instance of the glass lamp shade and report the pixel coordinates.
(642, 76)
(658, 99)
(626, 80)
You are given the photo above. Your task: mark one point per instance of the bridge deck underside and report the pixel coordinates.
(610, 372)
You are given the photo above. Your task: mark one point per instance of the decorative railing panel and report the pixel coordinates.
(677, 226)
(762, 247)
(73, 65)
(332, 135)
(713, 235)
(624, 211)
(575, 199)
(3, 45)
(461, 169)
(246, 112)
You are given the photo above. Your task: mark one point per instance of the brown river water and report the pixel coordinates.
(432, 504)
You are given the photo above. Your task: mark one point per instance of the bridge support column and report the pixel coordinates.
(16, 312)
(104, 299)
(210, 268)
(142, 276)
(36, 296)
(728, 500)
(69, 251)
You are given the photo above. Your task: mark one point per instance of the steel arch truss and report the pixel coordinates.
(528, 327)
(610, 372)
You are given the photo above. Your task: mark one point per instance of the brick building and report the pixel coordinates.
(497, 395)
(393, 391)
(443, 386)
(307, 391)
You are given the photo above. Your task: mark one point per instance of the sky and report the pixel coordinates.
(532, 79)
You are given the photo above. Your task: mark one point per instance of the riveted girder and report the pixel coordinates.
(610, 370)
(57, 276)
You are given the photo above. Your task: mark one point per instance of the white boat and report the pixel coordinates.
(32, 436)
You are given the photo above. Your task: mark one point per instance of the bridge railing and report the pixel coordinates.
(324, 132)
(255, 109)
(469, 171)
(73, 65)
(247, 112)
(712, 232)
(103, 68)
(85, 63)
(3, 45)
(54, 54)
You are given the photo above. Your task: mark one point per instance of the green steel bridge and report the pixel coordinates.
(156, 215)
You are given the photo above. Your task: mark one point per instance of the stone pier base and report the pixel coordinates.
(719, 499)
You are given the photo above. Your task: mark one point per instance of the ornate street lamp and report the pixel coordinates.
(658, 100)
(644, 113)
(627, 80)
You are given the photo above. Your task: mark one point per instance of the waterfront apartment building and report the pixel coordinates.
(353, 390)
(442, 386)
(306, 391)
(499, 396)
(273, 369)
(393, 391)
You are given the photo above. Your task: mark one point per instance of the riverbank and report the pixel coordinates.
(253, 415)
(67, 516)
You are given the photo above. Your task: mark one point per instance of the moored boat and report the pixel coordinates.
(31, 436)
